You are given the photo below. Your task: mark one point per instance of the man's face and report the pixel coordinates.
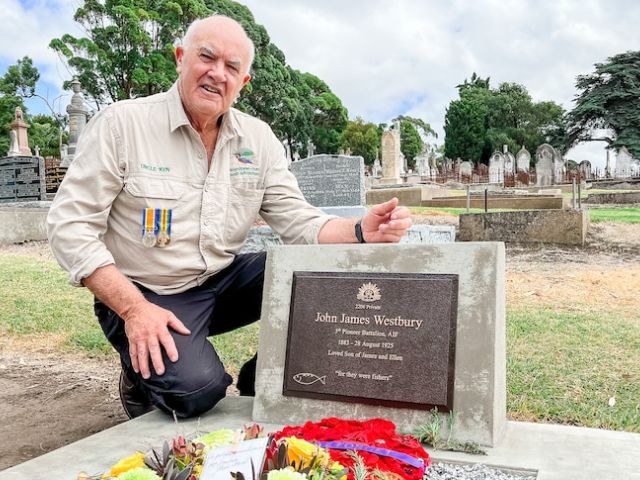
(212, 69)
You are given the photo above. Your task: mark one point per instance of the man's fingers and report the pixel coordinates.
(384, 208)
(133, 353)
(178, 326)
(143, 360)
(156, 357)
(169, 346)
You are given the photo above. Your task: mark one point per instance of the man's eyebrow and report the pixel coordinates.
(207, 50)
(235, 63)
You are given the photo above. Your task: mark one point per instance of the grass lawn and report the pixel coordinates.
(615, 215)
(562, 367)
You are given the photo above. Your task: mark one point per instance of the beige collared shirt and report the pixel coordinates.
(144, 153)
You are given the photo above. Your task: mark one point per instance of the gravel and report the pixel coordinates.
(476, 471)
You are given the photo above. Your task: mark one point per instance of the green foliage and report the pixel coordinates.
(362, 139)
(410, 142)
(18, 82)
(45, 132)
(485, 119)
(128, 52)
(128, 49)
(609, 99)
(20, 79)
(8, 104)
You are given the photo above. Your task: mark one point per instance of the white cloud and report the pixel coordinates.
(28, 27)
(386, 58)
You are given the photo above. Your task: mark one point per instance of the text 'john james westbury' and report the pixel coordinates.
(380, 320)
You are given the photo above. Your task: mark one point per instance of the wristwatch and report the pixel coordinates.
(359, 235)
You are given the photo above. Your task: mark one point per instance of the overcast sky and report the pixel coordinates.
(384, 58)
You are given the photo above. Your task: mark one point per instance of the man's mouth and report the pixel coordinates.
(212, 89)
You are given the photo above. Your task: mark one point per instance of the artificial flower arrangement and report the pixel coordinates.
(332, 449)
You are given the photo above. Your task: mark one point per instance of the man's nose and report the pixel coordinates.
(216, 71)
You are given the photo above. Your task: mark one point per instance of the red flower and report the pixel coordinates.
(378, 433)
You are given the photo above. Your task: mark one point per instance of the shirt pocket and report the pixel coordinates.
(149, 192)
(242, 210)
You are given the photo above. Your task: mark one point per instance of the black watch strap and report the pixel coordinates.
(359, 235)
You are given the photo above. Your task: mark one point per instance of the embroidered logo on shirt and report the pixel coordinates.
(244, 155)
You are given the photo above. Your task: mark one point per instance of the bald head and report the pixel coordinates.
(199, 28)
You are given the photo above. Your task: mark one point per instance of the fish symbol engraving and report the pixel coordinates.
(309, 378)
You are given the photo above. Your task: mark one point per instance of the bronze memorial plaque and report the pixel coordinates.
(378, 338)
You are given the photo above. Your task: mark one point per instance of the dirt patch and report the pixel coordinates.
(49, 399)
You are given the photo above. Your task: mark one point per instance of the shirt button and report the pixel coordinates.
(200, 155)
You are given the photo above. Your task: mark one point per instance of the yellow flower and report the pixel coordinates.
(335, 467)
(302, 452)
(129, 463)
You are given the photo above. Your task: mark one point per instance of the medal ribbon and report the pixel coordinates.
(149, 223)
(165, 220)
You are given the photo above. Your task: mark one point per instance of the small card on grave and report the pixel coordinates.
(221, 462)
(376, 338)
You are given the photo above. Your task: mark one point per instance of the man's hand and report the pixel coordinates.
(147, 328)
(385, 222)
(145, 324)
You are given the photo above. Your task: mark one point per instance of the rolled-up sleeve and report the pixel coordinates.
(284, 207)
(78, 216)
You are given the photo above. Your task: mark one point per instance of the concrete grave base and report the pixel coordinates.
(479, 399)
(556, 452)
(532, 226)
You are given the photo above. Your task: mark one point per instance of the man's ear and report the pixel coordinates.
(246, 79)
(179, 56)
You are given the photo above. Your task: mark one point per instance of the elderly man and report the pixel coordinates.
(155, 207)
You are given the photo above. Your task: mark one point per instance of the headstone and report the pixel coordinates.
(607, 168)
(465, 170)
(14, 149)
(19, 137)
(523, 160)
(422, 162)
(559, 167)
(496, 168)
(78, 113)
(391, 156)
(585, 170)
(331, 180)
(509, 161)
(311, 148)
(377, 168)
(623, 163)
(364, 331)
(22, 179)
(544, 165)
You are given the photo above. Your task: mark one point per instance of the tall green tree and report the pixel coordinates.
(128, 51)
(465, 122)
(128, 48)
(362, 139)
(18, 82)
(485, 119)
(609, 101)
(47, 134)
(413, 134)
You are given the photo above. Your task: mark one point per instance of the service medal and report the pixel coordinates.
(164, 236)
(149, 239)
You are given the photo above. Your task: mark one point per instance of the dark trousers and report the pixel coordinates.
(197, 381)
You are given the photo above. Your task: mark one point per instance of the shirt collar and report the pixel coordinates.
(178, 117)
